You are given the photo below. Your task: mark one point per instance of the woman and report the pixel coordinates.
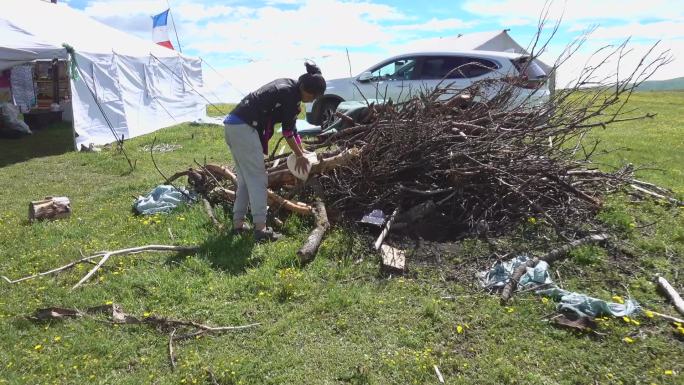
(249, 127)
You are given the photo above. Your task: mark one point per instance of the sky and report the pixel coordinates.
(248, 43)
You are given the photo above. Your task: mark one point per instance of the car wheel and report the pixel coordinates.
(327, 115)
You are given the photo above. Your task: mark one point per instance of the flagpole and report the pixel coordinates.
(174, 27)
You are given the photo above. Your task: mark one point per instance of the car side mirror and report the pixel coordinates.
(365, 76)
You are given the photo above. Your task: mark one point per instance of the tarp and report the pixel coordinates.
(140, 87)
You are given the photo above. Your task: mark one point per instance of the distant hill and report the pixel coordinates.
(676, 84)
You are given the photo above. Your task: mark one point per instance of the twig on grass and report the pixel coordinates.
(172, 357)
(107, 254)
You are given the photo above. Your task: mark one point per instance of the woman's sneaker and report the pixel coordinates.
(241, 230)
(266, 235)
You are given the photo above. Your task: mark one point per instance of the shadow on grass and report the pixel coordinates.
(229, 253)
(53, 140)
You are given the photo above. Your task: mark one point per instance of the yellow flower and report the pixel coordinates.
(459, 329)
(57, 338)
(109, 303)
(146, 314)
(628, 340)
(618, 299)
(545, 300)
(181, 218)
(669, 372)
(261, 294)
(532, 220)
(509, 309)
(626, 319)
(648, 313)
(635, 322)
(38, 347)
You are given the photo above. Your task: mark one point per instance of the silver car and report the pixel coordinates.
(400, 77)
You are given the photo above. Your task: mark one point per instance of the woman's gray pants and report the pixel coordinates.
(243, 141)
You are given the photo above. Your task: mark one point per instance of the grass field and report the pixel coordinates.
(334, 321)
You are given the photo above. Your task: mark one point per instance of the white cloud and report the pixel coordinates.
(436, 25)
(659, 30)
(579, 9)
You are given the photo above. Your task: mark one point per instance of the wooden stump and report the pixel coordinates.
(49, 208)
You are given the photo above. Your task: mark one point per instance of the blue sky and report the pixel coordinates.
(251, 41)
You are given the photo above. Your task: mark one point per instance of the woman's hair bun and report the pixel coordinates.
(312, 68)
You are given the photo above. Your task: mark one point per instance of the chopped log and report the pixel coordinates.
(49, 208)
(308, 251)
(280, 178)
(393, 260)
(671, 294)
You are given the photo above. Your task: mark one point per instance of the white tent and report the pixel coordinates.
(125, 82)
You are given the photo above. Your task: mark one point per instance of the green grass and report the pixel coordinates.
(335, 321)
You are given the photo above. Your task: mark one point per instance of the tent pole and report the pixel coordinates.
(174, 27)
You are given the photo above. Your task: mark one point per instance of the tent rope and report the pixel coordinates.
(99, 106)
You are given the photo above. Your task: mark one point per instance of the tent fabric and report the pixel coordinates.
(133, 84)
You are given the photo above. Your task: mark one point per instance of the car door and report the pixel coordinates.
(392, 79)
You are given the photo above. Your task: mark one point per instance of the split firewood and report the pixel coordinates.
(392, 260)
(49, 208)
(671, 294)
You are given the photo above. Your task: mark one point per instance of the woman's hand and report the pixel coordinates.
(302, 165)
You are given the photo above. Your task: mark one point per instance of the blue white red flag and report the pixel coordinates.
(160, 31)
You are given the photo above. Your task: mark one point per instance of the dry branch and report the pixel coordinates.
(671, 294)
(107, 254)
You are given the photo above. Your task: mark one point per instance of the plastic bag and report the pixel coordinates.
(11, 126)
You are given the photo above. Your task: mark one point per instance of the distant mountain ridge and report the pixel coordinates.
(676, 84)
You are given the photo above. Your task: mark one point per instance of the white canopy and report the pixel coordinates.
(132, 84)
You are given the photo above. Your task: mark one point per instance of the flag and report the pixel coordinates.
(160, 31)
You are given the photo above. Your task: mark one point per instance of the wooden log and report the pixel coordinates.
(671, 293)
(393, 260)
(273, 199)
(281, 178)
(49, 208)
(308, 251)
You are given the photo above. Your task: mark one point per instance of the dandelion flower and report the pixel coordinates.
(648, 314)
(57, 338)
(618, 299)
(459, 329)
(669, 372)
(628, 340)
(38, 347)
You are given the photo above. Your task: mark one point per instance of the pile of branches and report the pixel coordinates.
(475, 160)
